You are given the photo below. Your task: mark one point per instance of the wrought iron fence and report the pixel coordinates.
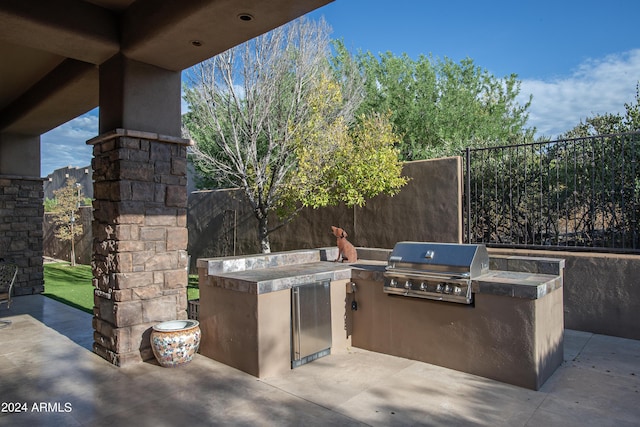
(573, 194)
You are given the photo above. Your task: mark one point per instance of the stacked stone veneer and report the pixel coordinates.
(140, 240)
(21, 213)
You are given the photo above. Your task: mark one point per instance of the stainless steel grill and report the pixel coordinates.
(438, 271)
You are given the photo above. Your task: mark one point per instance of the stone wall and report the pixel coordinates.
(21, 212)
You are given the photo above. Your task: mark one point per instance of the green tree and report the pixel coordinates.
(343, 164)
(50, 205)
(66, 213)
(271, 118)
(441, 107)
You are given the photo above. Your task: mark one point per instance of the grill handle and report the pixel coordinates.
(426, 276)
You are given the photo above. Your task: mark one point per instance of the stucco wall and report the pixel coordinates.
(55, 248)
(253, 332)
(601, 291)
(513, 340)
(220, 223)
(428, 208)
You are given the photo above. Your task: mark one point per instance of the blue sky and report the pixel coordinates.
(577, 58)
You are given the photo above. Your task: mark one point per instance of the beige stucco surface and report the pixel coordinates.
(51, 52)
(513, 340)
(237, 346)
(428, 208)
(601, 292)
(252, 332)
(274, 333)
(513, 331)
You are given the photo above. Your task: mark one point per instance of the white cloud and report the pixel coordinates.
(66, 145)
(597, 86)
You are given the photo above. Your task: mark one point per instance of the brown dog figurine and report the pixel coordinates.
(346, 251)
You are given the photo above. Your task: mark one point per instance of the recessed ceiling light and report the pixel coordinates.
(196, 43)
(245, 17)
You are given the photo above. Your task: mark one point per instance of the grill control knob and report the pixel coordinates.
(439, 287)
(423, 286)
(447, 289)
(407, 284)
(393, 283)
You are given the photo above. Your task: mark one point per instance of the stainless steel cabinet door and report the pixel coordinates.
(311, 319)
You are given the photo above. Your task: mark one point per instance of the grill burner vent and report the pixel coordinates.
(438, 271)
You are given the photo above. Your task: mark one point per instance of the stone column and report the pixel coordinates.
(140, 240)
(21, 213)
(21, 209)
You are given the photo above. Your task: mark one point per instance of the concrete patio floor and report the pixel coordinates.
(46, 367)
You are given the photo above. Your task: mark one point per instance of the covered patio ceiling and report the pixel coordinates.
(50, 50)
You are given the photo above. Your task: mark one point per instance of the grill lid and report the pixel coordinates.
(459, 260)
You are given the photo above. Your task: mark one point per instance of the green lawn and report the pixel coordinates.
(193, 291)
(72, 285)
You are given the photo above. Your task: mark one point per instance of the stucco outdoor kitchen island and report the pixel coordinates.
(513, 332)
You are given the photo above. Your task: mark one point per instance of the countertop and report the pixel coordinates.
(516, 284)
(275, 278)
(272, 279)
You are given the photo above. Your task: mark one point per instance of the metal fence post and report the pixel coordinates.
(467, 191)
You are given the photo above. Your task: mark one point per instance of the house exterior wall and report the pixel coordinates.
(58, 179)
